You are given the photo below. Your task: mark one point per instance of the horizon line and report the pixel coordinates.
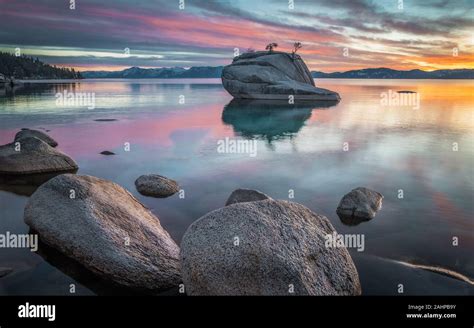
(357, 69)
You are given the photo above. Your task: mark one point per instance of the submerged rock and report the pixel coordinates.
(272, 75)
(361, 204)
(30, 155)
(265, 247)
(156, 186)
(245, 195)
(5, 271)
(103, 227)
(27, 133)
(107, 152)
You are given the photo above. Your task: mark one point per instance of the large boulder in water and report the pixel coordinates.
(360, 204)
(242, 195)
(156, 185)
(265, 247)
(103, 227)
(27, 133)
(30, 155)
(272, 75)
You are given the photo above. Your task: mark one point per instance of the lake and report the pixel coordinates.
(419, 154)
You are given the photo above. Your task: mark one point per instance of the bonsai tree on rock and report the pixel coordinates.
(271, 46)
(296, 47)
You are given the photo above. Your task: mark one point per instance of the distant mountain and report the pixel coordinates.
(387, 73)
(29, 68)
(157, 73)
(215, 72)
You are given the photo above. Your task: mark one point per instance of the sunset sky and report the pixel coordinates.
(158, 33)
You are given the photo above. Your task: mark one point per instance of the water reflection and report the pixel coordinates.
(351, 220)
(391, 148)
(109, 95)
(26, 184)
(30, 89)
(270, 120)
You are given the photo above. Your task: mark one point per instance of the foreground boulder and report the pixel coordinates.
(27, 133)
(266, 247)
(30, 155)
(156, 186)
(272, 75)
(361, 204)
(245, 195)
(103, 227)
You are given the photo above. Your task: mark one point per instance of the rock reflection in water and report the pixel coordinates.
(269, 119)
(26, 184)
(351, 220)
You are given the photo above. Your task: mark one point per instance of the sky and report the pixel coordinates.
(337, 35)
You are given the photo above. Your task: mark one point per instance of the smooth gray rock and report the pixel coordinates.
(361, 204)
(27, 133)
(272, 75)
(107, 230)
(266, 247)
(245, 195)
(30, 155)
(156, 186)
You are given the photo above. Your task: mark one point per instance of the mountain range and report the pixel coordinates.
(215, 72)
(387, 73)
(157, 73)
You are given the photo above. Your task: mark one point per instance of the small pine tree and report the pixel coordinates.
(271, 46)
(296, 47)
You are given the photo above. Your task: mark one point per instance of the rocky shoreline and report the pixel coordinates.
(253, 245)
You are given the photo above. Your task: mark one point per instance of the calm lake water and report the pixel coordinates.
(173, 127)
